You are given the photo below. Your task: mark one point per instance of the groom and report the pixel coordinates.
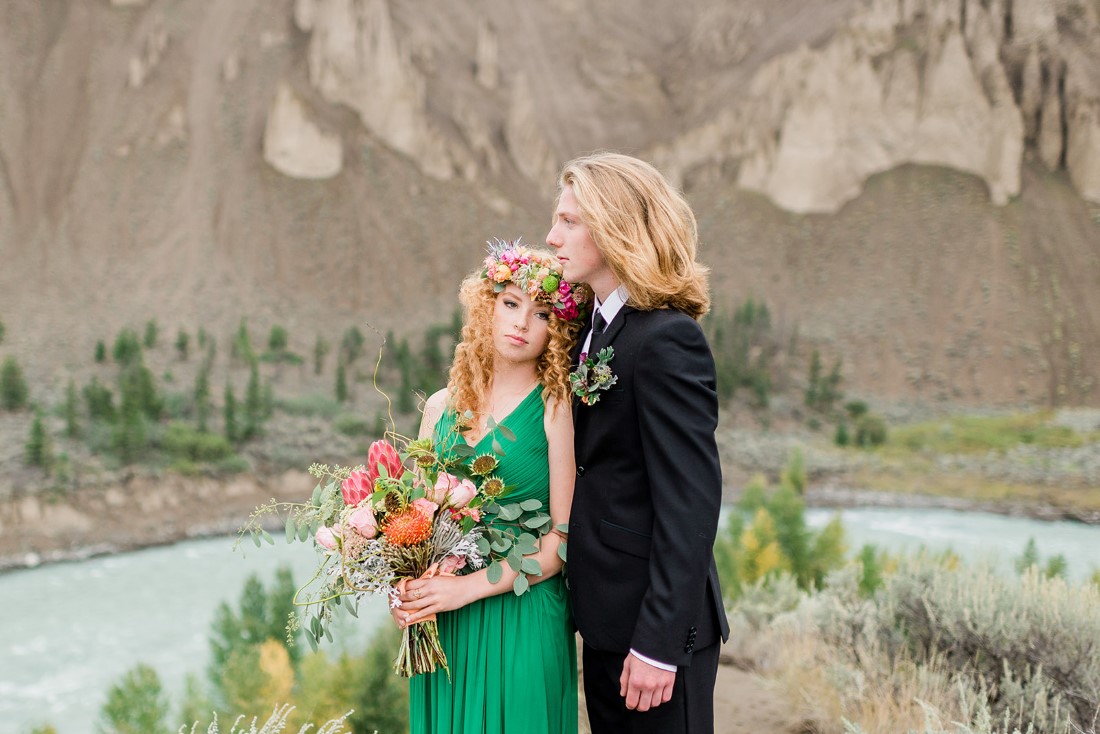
(642, 577)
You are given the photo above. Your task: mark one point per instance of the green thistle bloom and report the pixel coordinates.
(484, 464)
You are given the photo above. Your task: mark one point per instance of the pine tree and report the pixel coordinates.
(38, 451)
(242, 344)
(277, 339)
(232, 430)
(182, 343)
(99, 401)
(151, 332)
(320, 349)
(202, 399)
(13, 388)
(1, 331)
(135, 705)
(253, 404)
(127, 348)
(100, 352)
(351, 346)
(72, 407)
(341, 383)
(812, 396)
(268, 400)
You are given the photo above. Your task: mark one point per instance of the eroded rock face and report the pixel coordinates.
(294, 145)
(356, 59)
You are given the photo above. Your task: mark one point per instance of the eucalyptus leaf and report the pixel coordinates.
(526, 539)
(562, 527)
(561, 552)
(494, 573)
(530, 565)
(497, 448)
(291, 530)
(531, 505)
(510, 512)
(501, 546)
(256, 539)
(328, 634)
(267, 536)
(303, 532)
(507, 433)
(515, 561)
(312, 641)
(483, 546)
(536, 522)
(463, 449)
(353, 609)
(520, 585)
(316, 499)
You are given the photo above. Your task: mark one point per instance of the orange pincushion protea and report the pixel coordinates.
(408, 528)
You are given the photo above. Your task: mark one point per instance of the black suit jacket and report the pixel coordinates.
(649, 487)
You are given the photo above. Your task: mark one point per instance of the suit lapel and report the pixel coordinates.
(599, 341)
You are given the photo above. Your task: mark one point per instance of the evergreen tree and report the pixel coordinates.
(100, 352)
(135, 705)
(280, 602)
(381, 701)
(201, 337)
(128, 438)
(811, 397)
(38, 451)
(277, 339)
(137, 382)
(202, 399)
(842, 436)
(341, 383)
(232, 430)
(871, 578)
(241, 348)
(182, 343)
(151, 332)
(127, 348)
(99, 401)
(72, 406)
(351, 346)
(13, 388)
(268, 400)
(1, 331)
(320, 349)
(253, 404)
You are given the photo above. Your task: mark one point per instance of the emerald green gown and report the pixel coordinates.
(513, 658)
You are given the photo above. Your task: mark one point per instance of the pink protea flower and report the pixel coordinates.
(382, 453)
(356, 488)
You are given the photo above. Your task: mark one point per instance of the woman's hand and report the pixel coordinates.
(423, 597)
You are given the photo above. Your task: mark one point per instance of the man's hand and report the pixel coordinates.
(644, 686)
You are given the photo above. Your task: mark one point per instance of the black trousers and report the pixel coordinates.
(689, 711)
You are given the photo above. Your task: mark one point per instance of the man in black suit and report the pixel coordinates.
(642, 577)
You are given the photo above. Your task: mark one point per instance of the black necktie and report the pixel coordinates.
(598, 323)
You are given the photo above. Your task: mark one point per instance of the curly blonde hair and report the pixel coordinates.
(472, 369)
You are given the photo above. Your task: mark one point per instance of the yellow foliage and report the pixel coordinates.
(275, 663)
(760, 552)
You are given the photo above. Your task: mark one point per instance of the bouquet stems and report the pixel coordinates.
(420, 651)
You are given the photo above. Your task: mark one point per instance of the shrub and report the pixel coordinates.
(341, 383)
(277, 339)
(1, 331)
(842, 438)
(351, 344)
(320, 349)
(13, 387)
(135, 705)
(203, 406)
(353, 425)
(100, 352)
(182, 441)
(72, 406)
(241, 347)
(253, 404)
(870, 431)
(229, 415)
(310, 406)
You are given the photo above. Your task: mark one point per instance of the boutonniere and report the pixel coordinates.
(593, 376)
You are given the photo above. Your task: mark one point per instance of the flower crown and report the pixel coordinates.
(538, 274)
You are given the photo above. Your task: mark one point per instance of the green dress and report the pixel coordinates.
(513, 658)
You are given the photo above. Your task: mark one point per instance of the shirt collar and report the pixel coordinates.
(614, 303)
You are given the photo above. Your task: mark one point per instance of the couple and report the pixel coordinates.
(633, 469)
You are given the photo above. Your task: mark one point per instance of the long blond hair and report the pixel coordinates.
(644, 229)
(472, 369)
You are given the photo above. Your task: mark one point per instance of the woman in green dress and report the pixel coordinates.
(512, 659)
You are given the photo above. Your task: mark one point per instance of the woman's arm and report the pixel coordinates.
(433, 409)
(444, 593)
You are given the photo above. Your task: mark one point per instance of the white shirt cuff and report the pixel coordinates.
(651, 661)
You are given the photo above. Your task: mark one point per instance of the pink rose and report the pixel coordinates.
(461, 494)
(471, 512)
(356, 488)
(450, 564)
(425, 507)
(326, 537)
(382, 453)
(443, 484)
(364, 522)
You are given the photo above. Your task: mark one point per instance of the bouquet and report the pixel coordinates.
(410, 512)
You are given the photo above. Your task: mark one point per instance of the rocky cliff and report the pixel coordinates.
(324, 162)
